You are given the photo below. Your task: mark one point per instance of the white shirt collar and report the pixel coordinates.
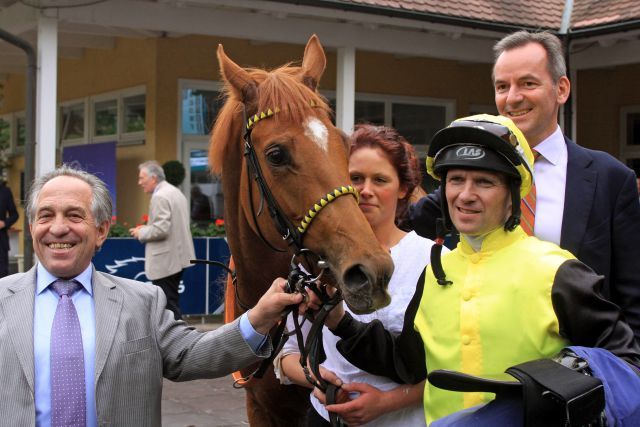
(551, 148)
(44, 278)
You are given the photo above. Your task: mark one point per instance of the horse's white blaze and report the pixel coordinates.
(315, 130)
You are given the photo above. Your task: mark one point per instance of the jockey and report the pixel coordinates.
(501, 298)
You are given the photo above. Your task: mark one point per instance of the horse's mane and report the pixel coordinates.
(281, 88)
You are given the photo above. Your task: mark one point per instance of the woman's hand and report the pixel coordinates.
(327, 375)
(367, 406)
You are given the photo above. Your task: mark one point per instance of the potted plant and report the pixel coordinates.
(174, 172)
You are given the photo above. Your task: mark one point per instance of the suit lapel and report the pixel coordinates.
(108, 304)
(17, 305)
(578, 198)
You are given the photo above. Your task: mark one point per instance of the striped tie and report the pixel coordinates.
(528, 206)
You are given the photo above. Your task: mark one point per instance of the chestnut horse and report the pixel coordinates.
(303, 162)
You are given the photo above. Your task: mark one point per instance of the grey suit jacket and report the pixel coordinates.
(137, 344)
(169, 245)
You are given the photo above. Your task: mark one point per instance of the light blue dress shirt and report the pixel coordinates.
(46, 302)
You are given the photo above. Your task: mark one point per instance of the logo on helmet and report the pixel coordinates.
(470, 153)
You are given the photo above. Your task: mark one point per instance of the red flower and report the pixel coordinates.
(220, 222)
(145, 218)
(114, 219)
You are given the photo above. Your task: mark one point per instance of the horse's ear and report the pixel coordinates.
(242, 84)
(313, 63)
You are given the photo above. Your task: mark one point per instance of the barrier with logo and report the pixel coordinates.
(202, 286)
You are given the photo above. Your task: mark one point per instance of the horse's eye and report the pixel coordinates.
(277, 156)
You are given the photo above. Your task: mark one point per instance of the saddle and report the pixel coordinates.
(558, 392)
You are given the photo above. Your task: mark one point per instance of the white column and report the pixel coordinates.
(346, 89)
(46, 95)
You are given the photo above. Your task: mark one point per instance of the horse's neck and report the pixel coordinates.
(256, 264)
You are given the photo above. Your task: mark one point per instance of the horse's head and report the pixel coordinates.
(304, 159)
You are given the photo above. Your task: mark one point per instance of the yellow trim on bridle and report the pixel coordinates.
(328, 198)
(262, 115)
(269, 113)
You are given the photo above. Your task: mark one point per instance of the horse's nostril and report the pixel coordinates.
(355, 278)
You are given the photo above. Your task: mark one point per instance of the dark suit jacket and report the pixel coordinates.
(8, 214)
(600, 226)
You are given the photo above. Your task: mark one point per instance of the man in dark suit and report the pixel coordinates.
(586, 199)
(84, 348)
(8, 216)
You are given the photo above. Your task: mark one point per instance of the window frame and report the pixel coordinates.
(183, 84)
(627, 152)
(449, 105)
(17, 116)
(122, 138)
(131, 138)
(9, 118)
(74, 141)
(187, 139)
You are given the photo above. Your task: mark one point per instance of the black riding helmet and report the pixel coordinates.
(482, 142)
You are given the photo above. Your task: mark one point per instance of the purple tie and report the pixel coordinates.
(68, 402)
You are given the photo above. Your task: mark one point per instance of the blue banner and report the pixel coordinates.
(202, 286)
(98, 159)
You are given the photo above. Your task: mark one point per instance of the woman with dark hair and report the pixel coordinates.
(384, 169)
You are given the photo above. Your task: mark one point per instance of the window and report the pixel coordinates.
(119, 116)
(199, 103)
(369, 112)
(72, 122)
(5, 133)
(417, 119)
(21, 132)
(134, 110)
(5, 146)
(630, 137)
(199, 109)
(105, 118)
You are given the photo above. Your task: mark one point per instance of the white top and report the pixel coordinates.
(410, 257)
(550, 173)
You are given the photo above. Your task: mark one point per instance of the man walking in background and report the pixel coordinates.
(167, 236)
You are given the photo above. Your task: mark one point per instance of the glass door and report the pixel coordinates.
(203, 190)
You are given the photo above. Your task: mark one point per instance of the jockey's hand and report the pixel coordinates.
(269, 309)
(363, 408)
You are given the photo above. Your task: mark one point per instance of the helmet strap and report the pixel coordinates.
(514, 220)
(436, 251)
